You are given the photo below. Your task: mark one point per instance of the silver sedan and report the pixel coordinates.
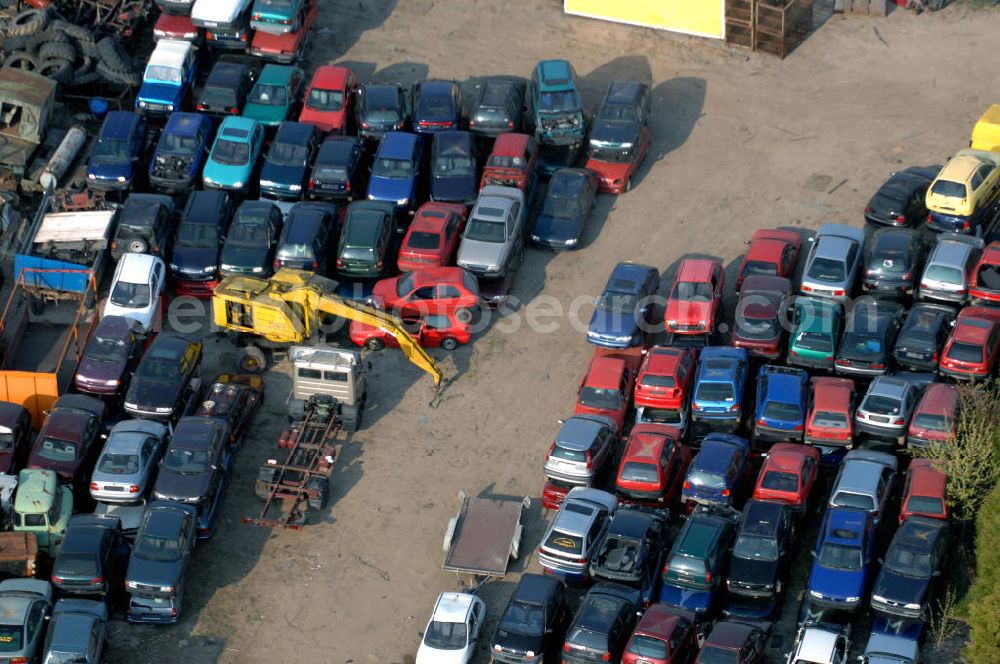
(130, 454)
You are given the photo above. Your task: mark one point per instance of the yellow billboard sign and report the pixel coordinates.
(704, 18)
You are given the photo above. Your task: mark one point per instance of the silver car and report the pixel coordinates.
(888, 405)
(832, 265)
(493, 241)
(949, 267)
(865, 481)
(583, 447)
(576, 532)
(130, 454)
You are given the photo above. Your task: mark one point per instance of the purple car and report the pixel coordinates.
(111, 354)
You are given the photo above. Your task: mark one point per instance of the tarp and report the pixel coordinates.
(704, 18)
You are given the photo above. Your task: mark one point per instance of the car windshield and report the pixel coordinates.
(325, 100)
(907, 562)
(423, 240)
(57, 450)
(163, 73)
(760, 268)
(392, 168)
(775, 480)
(11, 638)
(840, 556)
(618, 303)
(435, 105)
(233, 153)
(558, 102)
(882, 405)
(130, 296)
(159, 371)
(757, 328)
(562, 207)
(177, 145)
(815, 341)
(693, 291)
(949, 189)
(288, 154)
(963, 352)
(647, 647)
(202, 236)
(445, 635)
(119, 464)
(160, 549)
(948, 275)
(706, 479)
(600, 398)
(755, 547)
(105, 349)
(787, 412)
(925, 505)
(111, 151)
(827, 269)
(712, 391)
(185, 461)
(634, 471)
(75, 564)
(712, 655)
(617, 112)
(856, 500)
(248, 233)
(525, 619)
(480, 230)
(859, 344)
(454, 167)
(269, 95)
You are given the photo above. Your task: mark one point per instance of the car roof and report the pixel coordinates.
(555, 75)
(717, 366)
(644, 443)
(784, 386)
(919, 533)
(205, 207)
(661, 619)
(950, 252)
(510, 145)
(273, 74)
(170, 52)
(226, 73)
(163, 521)
(763, 303)
(961, 168)
(628, 277)
(766, 249)
(534, 588)
(436, 86)
(699, 534)
(195, 432)
(575, 516)
(330, 75)
(290, 131)
(605, 372)
(70, 632)
(630, 523)
(760, 517)
(453, 607)
(859, 476)
(816, 645)
(184, 124)
(833, 247)
(696, 269)
(714, 455)
(991, 254)
(82, 538)
(453, 142)
(495, 92)
(925, 479)
(397, 145)
(888, 386)
(35, 488)
(663, 360)
(926, 316)
(115, 327)
(845, 520)
(974, 325)
(238, 122)
(729, 634)
(135, 268)
(567, 182)
(580, 431)
(787, 456)
(485, 204)
(165, 343)
(892, 644)
(842, 231)
(117, 124)
(831, 393)
(941, 398)
(10, 412)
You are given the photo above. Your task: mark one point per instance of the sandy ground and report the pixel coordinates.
(740, 141)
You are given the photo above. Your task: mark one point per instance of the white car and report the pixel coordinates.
(137, 288)
(454, 628)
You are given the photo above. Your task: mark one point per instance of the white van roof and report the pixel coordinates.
(217, 11)
(170, 53)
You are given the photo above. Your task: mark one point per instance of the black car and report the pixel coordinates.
(911, 569)
(602, 625)
(194, 262)
(306, 237)
(498, 107)
(338, 172)
(158, 564)
(381, 107)
(534, 622)
(900, 201)
(145, 224)
(93, 556)
(437, 106)
(165, 384)
(454, 168)
(252, 240)
(924, 333)
(760, 560)
(227, 87)
(893, 258)
(287, 161)
(869, 337)
(367, 239)
(569, 202)
(618, 125)
(632, 551)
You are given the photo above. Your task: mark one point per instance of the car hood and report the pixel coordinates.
(282, 174)
(474, 252)
(459, 189)
(148, 396)
(614, 132)
(609, 170)
(686, 313)
(428, 655)
(699, 601)
(324, 120)
(227, 174)
(609, 323)
(97, 370)
(154, 572)
(243, 258)
(754, 572)
(265, 114)
(194, 257)
(837, 583)
(160, 93)
(182, 487)
(519, 642)
(390, 189)
(899, 588)
(557, 229)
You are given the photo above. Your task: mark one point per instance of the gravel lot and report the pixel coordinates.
(740, 141)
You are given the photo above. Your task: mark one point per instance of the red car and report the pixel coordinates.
(430, 332)
(830, 420)
(772, 253)
(512, 162)
(984, 288)
(432, 237)
(788, 475)
(327, 102)
(606, 389)
(664, 635)
(70, 440)
(664, 379)
(758, 328)
(285, 48)
(176, 26)
(653, 467)
(736, 641)
(432, 290)
(974, 344)
(935, 419)
(695, 298)
(924, 491)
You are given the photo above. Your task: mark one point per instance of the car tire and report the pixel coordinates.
(374, 344)
(113, 54)
(27, 22)
(62, 50)
(465, 315)
(21, 60)
(252, 360)
(57, 69)
(449, 343)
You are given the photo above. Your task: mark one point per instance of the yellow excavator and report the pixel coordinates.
(289, 308)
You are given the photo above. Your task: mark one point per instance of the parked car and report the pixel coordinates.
(738, 640)
(145, 225)
(653, 466)
(602, 625)
(252, 240)
(226, 23)
(606, 389)
(329, 99)
(69, 440)
(277, 17)
(698, 560)
(816, 327)
(366, 239)
(274, 96)
(180, 152)
(964, 195)
(286, 163)
(924, 492)
(441, 331)
(833, 262)
(42, 507)
(782, 399)
(114, 159)
(533, 624)
(949, 268)
(398, 171)
(307, 237)
(194, 263)
(910, 572)
(175, 7)
(92, 558)
(512, 164)
(888, 404)
(554, 104)
(869, 338)
(693, 304)
(166, 381)
(619, 135)
(432, 237)
(493, 241)
(437, 106)
(454, 629)
(900, 200)
(576, 531)
(788, 475)
(632, 551)
(984, 287)
(25, 605)
(664, 382)
(718, 471)
(830, 421)
(227, 88)
(433, 290)
(338, 172)
(664, 635)
(720, 386)
(289, 47)
(889, 643)
(15, 437)
(865, 481)
(935, 418)
(232, 163)
(78, 632)
(176, 26)
(157, 569)
(498, 106)
(972, 348)
(924, 332)
(761, 559)
(136, 289)
(842, 559)
(893, 258)
(127, 463)
(772, 253)
(823, 642)
(110, 356)
(583, 448)
(624, 314)
(167, 79)
(454, 176)
(381, 108)
(757, 319)
(569, 203)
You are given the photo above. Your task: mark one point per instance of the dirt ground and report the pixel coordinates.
(740, 141)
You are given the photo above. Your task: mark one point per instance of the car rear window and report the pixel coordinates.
(586, 638)
(711, 391)
(564, 542)
(703, 478)
(712, 655)
(422, 240)
(882, 405)
(653, 380)
(560, 452)
(57, 450)
(336, 173)
(814, 341)
(779, 481)
(856, 500)
(826, 269)
(830, 420)
(949, 275)
(962, 352)
(932, 421)
(949, 189)
(761, 268)
(925, 505)
(757, 328)
(634, 471)
(218, 96)
(10, 638)
(75, 564)
(777, 410)
(648, 647)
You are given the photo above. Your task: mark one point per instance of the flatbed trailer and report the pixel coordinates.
(482, 537)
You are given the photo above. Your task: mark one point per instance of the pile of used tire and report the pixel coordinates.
(70, 54)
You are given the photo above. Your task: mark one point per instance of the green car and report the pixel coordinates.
(42, 506)
(816, 327)
(274, 95)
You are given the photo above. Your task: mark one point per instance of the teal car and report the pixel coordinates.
(274, 95)
(233, 160)
(277, 17)
(816, 327)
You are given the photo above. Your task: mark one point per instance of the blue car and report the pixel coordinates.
(624, 314)
(717, 471)
(286, 164)
(113, 162)
(168, 78)
(842, 560)
(180, 152)
(437, 106)
(454, 171)
(782, 394)
(397, 170)
(719, 387)
(889, 643)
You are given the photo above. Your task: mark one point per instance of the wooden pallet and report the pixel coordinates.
(739, 22)
(765, 27)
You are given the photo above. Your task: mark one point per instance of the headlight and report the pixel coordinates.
(121, 178)
(170, 107)
(912, 607)
(530, 654)
(703, 323)
(237, 185)
(130, 405)
(131, 584)
(210, 269)
(206, 179)
(91, 176)
(257, 270)
(175, 267)
(403, 201)
(497, 648)
(852, 599)
(672, 323)
(879, 598)
(625, 146)
(571, 242)
(166, 589)
(816, 594)
(295, 187)
(536, 238)
(226, 266)
(142, 104)
(190, 35)
(371, 197)
(266, 183)
(165, 409)
(112, 383)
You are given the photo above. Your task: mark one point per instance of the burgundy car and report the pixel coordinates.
(15, 437)
(70, 439)
(110, 356)
(758, 326)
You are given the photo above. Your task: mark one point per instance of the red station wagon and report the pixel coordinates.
(433, 290)
(606, 389)
(512, 162)
(935, 419)
(772, 253)
(924, 492)
(984, 287)
(974, 344)
(432, 237)
(695, 298)
(653, 467)
(664, 635)
(830, 421)
(664, 381)
(327, 102)
(788, 475)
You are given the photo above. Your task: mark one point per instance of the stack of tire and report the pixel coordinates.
(67, 53)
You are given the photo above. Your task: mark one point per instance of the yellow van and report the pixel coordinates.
(986, 133)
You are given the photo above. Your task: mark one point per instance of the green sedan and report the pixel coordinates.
(274, 95)
(816, 327)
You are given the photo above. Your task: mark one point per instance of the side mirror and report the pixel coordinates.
(881, 561)
(561, 421)
(813, 554)
(937, 572)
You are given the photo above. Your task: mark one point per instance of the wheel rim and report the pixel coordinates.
(449, 344)
(374, 344)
